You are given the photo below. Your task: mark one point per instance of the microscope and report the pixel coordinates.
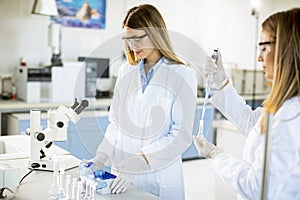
(41, 140)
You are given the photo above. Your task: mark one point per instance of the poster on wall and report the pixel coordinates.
(81, 13)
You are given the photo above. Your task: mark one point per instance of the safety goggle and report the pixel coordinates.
(134, 39)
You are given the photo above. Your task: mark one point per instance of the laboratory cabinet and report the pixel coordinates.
(85, 136)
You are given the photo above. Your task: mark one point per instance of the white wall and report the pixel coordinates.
(277, 5)
(226, 24)
(25, 35)
(21, 34)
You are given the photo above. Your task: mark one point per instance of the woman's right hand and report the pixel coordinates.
(216, 69)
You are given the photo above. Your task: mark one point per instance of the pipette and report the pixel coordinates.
(207, 92)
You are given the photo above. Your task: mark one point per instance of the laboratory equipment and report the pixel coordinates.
(207, 93)
(92, 177)
(242, 80)
(75, 187)
(33, 84)
(9, 176)
(57, 191)
(6, 86)
(41, 140)
(97, 82)
(266, 167)
(54, 41)
(78, 194)
(68, 186)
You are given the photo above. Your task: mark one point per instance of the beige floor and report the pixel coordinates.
(199, 180)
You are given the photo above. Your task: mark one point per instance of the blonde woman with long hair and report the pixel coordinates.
(280, 58)
(152, 111)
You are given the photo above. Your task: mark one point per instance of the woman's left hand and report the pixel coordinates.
(205, 148)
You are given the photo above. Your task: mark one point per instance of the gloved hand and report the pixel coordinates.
(135, 164)
(100, 159)
(121, 183)
(205, 148)
(86, 167)
(220, 78)
(126, 168)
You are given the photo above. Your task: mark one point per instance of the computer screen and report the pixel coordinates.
(95, 68)
(98, 67)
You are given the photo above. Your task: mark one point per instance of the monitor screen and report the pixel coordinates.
(95, 68)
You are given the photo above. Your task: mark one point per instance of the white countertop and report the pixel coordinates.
(21, 145)
(21, 105)
(15, 105)
(7, 105)
(37, 184)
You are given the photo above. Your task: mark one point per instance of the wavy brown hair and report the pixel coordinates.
(284, 28)
(146, 17)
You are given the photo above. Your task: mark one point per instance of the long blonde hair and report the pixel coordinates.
(146, 17)
(284, 28)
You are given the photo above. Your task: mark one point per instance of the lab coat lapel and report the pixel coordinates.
(132, 120)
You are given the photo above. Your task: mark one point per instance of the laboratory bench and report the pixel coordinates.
(17, 106)
(37, 184)
(85, 136)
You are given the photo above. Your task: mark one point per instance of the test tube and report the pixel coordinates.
(61, 175)
(93, 190)
(79, 190)
(87, 189)
(55, 185)
(68, 186)
(74, 187)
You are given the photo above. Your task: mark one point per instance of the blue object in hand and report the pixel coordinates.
(90, 170)
(103, 175)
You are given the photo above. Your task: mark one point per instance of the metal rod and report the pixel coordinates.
(268, 137)
(256, 15)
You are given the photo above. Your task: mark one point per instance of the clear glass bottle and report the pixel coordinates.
(56, 191)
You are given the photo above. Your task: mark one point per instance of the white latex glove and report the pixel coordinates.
(205, 148)
(99, 160)
(120, 184)
(220, 78)
(126, 168)
(135, 164)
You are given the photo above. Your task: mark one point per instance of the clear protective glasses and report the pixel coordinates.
(265, 47)
(134, 39)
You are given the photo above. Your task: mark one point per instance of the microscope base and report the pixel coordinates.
(68, 161)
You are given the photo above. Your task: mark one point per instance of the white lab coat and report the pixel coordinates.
(245, 175)
(158, 122)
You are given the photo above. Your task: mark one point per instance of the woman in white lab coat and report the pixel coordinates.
(152, 111)
(280, 58)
